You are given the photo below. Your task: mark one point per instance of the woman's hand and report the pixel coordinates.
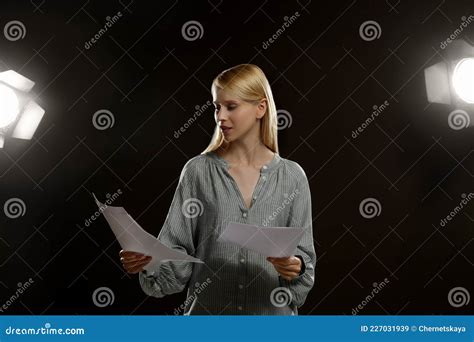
(288, 267)
(133, 262)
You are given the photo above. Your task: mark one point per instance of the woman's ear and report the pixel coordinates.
(261, 108)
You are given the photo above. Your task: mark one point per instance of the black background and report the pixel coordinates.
(151, 79)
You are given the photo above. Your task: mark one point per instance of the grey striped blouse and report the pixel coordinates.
(233, 280)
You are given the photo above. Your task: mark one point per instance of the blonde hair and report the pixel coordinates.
(248, 83)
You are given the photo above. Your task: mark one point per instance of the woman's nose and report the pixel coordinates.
(221, 115)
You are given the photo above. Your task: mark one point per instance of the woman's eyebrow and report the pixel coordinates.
(227, 101)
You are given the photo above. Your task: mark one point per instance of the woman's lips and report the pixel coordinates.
(226, 130)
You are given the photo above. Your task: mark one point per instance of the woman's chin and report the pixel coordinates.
(229, 137)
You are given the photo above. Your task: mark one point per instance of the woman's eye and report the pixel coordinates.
(231, 107)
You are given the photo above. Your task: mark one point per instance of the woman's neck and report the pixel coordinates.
(245, 154)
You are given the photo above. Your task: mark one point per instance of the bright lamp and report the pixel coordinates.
(19, 114)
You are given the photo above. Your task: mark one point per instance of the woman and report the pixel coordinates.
(240, 177)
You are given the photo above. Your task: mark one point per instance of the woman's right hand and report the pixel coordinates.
(133, 262)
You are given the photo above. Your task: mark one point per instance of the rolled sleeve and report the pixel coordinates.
(178, 232)
(301, 216)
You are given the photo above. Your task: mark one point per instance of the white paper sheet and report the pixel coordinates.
(132, 237)
(269, 241)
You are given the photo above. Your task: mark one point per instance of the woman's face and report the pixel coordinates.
(237, 118)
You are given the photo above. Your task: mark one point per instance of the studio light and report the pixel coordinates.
(452, 81)
(19, 114)
(463, 79)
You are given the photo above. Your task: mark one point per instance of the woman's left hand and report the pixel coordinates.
(288, 267)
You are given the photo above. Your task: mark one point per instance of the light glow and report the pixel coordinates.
(463, 79)
(9, 106)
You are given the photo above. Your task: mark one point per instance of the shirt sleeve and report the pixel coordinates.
(301, 216)
(178, 232)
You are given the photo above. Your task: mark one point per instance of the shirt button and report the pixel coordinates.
(254, 197)
(244, 214)
(264, 178)
(241, 286)
(239, 307)
(264, 167)
(242, 260)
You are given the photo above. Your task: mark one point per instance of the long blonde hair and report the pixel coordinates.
(248, 83)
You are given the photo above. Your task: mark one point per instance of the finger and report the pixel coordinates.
(138, 267)
(137, 263)
(288, 268)
(287, 272)
(136, 270)
(283, 263)
(286, 275)
(129, 254)
(133, 258)
(289, 261)
(281, 259)
(290, 275)
(292, 262)
(146, 260)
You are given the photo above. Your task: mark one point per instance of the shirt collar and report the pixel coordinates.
(270, 166)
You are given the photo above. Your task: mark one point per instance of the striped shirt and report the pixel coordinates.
(233, 280)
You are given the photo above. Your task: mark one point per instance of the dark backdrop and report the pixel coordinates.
(326, 81)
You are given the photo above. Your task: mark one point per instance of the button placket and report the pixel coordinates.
(259, 185)
(241, 279)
